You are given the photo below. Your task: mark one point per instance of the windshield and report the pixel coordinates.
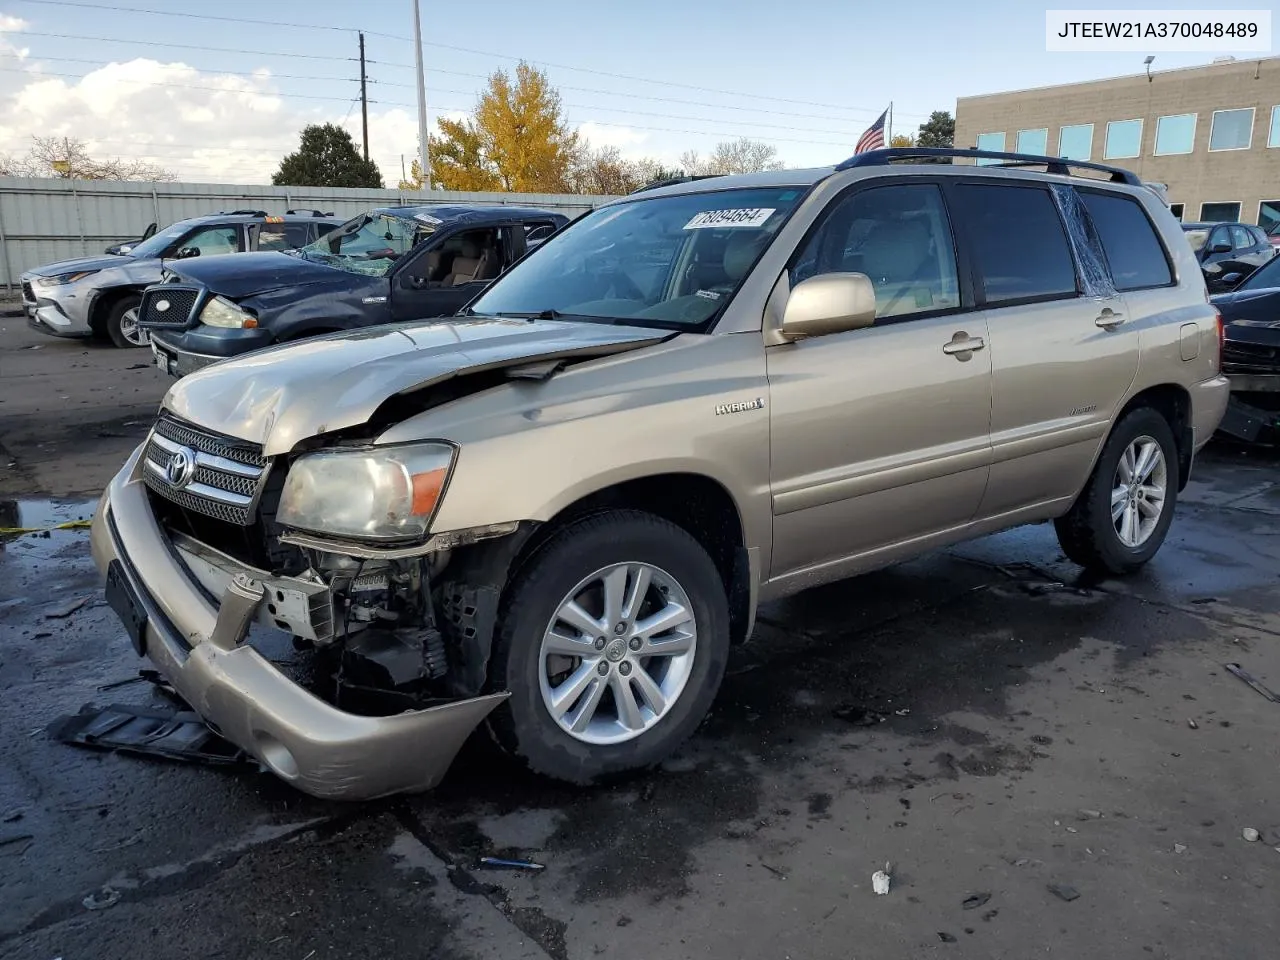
(1268, 275)
(664, 261)
(157, 243)
(370, 244)
(1197, 237)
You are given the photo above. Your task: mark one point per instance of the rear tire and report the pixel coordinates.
(596, 695)
(1121, 519)
(122, 323)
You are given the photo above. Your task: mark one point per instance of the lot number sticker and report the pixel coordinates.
(749, 217)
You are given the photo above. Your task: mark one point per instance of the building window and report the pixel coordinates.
(1176, 210)
(1033, 141)
(1124, 140)
(1228, 212)
(1076, 142)
(1231, 129)
(1273, 138)
(1175, 134)
(1269, 215)
(990, 141)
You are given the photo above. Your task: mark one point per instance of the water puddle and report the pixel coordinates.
(37, 529)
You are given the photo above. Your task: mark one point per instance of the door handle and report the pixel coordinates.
(961, 346)
(1108, 319)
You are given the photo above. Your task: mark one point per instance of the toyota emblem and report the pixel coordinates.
(181, 468)
(162, 306)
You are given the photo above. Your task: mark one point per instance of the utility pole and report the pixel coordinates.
(364, 99)
(424, 152)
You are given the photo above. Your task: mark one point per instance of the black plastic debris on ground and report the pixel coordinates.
(169, 734)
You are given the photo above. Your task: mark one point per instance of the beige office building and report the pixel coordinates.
(1211, 133)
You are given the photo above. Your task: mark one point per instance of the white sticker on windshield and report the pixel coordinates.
(427, 218)
(707, 295)
(747, 217)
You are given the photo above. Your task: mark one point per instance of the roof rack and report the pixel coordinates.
(308, 213)
(1056, 165)
(243, 213)
(674, 180)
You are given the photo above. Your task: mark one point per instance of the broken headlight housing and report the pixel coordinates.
(383, 494)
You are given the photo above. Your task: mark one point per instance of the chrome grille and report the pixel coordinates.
(181, 300)
(228, 474)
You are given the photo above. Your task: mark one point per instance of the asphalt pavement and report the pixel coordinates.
(1049, 766)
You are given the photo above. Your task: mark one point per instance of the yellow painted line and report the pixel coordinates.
(69, 525)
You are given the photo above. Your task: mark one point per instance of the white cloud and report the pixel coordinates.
(11, 24)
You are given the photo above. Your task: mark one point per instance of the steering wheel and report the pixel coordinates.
(386, 253)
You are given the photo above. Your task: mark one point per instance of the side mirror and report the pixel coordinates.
(829, 303)
(186, 253)
(1220, 248)
(1231, 279)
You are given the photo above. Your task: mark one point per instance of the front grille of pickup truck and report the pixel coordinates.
(178, 302)
(216, 476)
(1239, 356)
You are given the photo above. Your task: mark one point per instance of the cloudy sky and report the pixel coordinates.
(204, 90)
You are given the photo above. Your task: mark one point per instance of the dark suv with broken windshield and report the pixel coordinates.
(394, 263)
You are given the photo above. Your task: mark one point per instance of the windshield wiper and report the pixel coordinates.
(537, 315)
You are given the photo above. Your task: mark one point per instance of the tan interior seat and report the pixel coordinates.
(466, 265)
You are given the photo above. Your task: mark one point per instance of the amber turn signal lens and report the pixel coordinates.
(427, 488)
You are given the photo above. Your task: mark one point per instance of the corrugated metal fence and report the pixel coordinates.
(46, 220)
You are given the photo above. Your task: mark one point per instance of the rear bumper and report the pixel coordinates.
(198, 645)
(1208, 405)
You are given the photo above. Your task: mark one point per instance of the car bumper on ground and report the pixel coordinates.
(198, 644)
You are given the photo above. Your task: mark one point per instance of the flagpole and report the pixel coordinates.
(889, 141)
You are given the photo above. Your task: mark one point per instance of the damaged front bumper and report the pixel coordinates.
(166, 591)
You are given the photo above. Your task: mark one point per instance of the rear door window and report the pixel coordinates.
(1133, 249)
(1018, 242)
(1242, 239)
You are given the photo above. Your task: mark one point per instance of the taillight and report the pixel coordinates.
(1222, 335)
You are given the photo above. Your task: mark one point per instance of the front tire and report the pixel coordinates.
(613, 640)
(1123, 514)
(122, 323)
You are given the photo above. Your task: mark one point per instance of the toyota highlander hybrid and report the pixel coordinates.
(555, 513)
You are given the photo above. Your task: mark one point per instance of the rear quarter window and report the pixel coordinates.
(1133, 248)
(1018, 241)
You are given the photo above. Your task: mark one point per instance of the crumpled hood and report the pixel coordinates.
(245, 274)
(77, 265)
(282, 395)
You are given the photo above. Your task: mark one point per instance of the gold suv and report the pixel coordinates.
(557, 511)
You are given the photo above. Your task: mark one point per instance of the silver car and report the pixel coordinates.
(99, 296)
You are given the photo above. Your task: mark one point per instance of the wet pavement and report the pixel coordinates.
(983, 720)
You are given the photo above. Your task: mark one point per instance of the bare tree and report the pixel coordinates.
(606, 172)
(733, 156)
(66, 158)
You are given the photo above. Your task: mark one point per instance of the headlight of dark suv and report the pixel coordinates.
(221, 312)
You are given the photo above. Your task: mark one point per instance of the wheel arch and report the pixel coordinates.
(103, 302)
(697, 503)
(1173, 402)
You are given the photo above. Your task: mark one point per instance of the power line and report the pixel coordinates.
(443, 46)
(183, 46)
(482, 76)
(395, 103)
(180, 86)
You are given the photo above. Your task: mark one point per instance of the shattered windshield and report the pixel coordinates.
(669, 262)
(370, 244)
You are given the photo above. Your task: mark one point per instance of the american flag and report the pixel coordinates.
(873, 139)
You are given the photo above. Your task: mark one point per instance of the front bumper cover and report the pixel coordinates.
(199, 647)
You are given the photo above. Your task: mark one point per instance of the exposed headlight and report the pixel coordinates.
(367, 494)
(221, 312)
(63, 278)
